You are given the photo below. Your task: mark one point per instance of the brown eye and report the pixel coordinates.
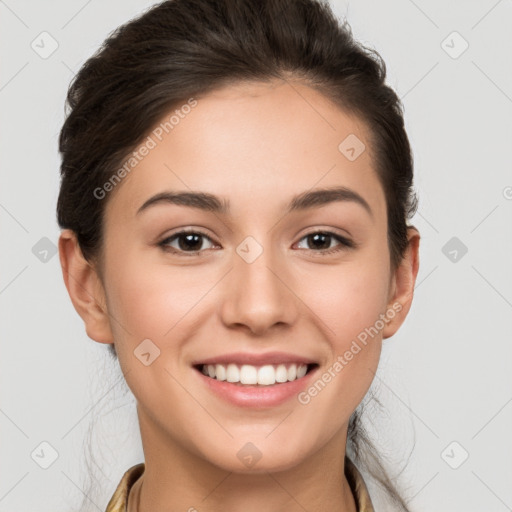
(186, 242)
(321, 241)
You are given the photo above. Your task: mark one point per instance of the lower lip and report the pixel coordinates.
(258, 397)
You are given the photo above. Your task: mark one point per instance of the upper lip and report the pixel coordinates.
(240, 358)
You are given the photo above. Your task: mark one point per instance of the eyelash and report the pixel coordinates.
(345, 243)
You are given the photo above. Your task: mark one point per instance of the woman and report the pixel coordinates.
(236, 185)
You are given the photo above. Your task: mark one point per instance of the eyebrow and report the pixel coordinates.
(306, 200)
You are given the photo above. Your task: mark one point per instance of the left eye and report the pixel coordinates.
(192, 242)
(321, 239)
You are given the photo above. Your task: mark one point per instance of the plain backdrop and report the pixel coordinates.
(445, 379)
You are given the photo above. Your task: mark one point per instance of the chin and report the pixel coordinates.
(253, 457)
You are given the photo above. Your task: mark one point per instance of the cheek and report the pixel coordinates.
(160, 302)
(349, 299)
(152, 302)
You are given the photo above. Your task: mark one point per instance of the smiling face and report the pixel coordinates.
(285, 267)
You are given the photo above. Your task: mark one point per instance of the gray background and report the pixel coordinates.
(444, 378)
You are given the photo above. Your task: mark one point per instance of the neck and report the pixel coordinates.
(176, 479)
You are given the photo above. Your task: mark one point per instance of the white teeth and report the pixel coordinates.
(247, 374)
(220, 372)
(282, 373)
(292, 372)
(232, 373)
(301, 371)
(266, 375)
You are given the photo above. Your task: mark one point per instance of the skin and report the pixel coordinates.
(256, 145)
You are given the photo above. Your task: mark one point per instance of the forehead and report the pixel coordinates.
(253, 143)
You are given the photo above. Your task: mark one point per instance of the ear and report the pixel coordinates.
(85, 288)
(402, 284)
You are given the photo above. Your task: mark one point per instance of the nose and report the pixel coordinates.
(258, 295)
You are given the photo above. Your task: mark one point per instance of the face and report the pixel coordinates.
(273, 277)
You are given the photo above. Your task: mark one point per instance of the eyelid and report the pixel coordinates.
(328, 230)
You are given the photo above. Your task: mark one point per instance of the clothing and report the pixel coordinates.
(119, 500)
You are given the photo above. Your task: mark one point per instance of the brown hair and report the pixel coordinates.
(186, 48)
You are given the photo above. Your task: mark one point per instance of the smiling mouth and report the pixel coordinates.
(250, 375)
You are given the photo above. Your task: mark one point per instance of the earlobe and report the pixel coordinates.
(85, 288)
(404, 280)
